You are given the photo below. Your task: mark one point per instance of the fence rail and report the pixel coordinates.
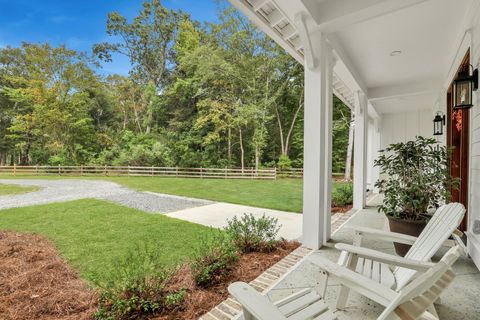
(217, 173)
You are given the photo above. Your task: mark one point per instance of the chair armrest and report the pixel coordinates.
(385, 258)
(383, 235)
(355, 281)
(254, 303)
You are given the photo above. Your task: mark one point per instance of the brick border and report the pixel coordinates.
(230, 309)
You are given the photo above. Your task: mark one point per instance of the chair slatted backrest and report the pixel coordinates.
(415, 298)
(440, 227)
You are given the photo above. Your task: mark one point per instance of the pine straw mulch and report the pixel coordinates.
(199, 301)
(37, 284)
(344, 209)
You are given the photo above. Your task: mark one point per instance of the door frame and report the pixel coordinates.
(460, 140)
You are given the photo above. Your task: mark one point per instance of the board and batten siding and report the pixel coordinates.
(474, 201)
(405, 126)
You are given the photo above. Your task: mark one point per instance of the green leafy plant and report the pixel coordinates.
(214, 260)
(416, 179)
(250, 234)
(137, 287)
(343, 195)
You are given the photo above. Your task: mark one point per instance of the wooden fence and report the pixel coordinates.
(217, 173)
(214, 173)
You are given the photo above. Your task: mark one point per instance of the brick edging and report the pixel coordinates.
(230, 308)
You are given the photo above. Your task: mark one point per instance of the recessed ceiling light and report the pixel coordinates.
(395, 53)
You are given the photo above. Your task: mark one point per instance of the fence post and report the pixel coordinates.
(14, 169)
(81, 170)
(201, 172)
(275, 173)
(59, 170)
(105, 170)
(226, 172)
(128, 168)
(36, 169)
(176, 171)
(152, 171)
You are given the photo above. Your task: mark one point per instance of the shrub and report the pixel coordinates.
(343, 195)
(250, 234)
(214, 259)
(137, 287)
(284, 162)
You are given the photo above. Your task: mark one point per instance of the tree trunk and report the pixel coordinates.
(229, 146)
(257, 158)
(348, 162)
(242, 151)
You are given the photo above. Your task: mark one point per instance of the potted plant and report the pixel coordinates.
(415, 181)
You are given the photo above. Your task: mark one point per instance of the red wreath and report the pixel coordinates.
(457, 117)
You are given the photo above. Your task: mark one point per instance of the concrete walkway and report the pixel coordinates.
(217, 214)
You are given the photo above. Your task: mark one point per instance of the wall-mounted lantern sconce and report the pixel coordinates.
(463, 87)
(438, 124)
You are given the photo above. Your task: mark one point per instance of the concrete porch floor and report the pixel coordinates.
(460, 301)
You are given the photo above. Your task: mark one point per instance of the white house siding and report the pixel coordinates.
(474, 203)
(405, 126)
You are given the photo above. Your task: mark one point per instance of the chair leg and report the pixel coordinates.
(350, 263)
(343, 298)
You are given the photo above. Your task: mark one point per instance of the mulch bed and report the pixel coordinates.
(36, 283)
(199, 301)
(344, 209)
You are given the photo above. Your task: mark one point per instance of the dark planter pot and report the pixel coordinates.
(411, 228)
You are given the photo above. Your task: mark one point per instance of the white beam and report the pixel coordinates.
(264, 25)
(317, 146)
(360, 151)
(404, 90)
(333, 15)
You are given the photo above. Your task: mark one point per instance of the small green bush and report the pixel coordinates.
(343, 195)
(137, 287)
(250, 234)
(214, 260)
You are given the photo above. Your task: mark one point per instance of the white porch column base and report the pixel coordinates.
(360, 151)
(318, 145)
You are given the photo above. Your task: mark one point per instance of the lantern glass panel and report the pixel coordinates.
(438, 126)
(463, 93)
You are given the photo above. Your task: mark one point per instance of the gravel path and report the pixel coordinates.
(70, 189)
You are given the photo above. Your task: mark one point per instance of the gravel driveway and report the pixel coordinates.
(71, 189)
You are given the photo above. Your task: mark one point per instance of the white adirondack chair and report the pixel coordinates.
(375, 265)
(411, 303)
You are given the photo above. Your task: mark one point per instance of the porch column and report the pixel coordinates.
(318, 144)
(375, 149)
(360, 151)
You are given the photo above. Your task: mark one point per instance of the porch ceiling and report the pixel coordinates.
(364, 33)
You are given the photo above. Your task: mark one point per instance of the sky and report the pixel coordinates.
(79, 24)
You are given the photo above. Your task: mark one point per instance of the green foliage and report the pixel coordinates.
(342, 195)
(214, 260)
(284, 162)
(136, 287)
(418, 178)
(251, 234)
(216, 95)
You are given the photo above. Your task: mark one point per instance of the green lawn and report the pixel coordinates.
(282, 194)
(10, 189)
(92, 235)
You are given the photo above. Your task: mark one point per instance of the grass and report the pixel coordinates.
(282, 194)
(10, 189)
(93, 235)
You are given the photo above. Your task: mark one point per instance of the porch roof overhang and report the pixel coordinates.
(365, 34)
